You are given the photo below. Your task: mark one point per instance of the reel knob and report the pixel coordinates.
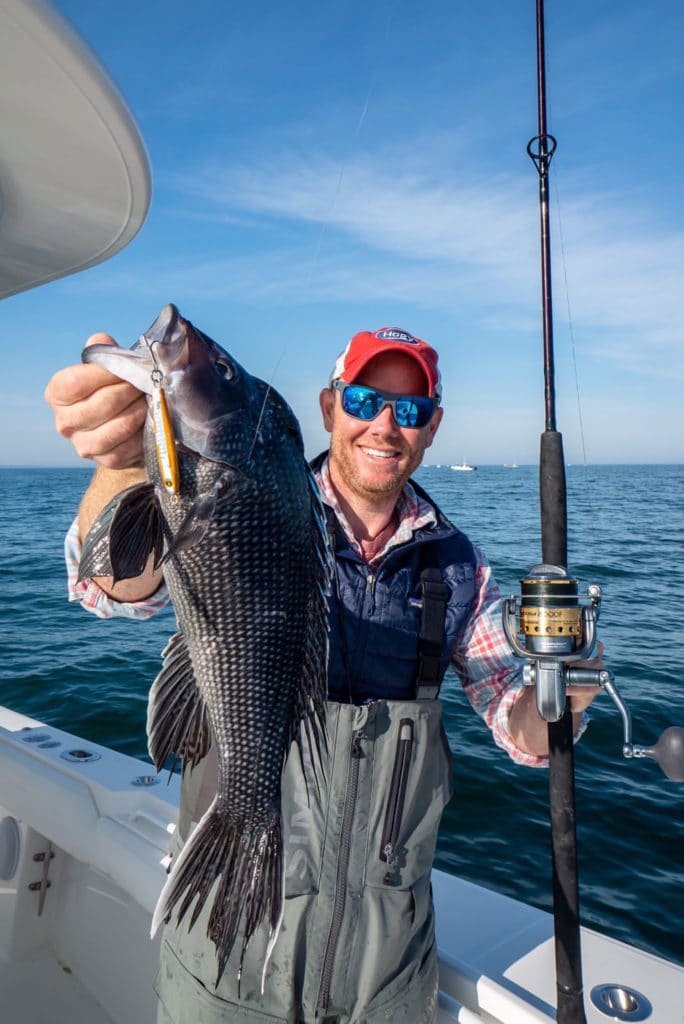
(669, 753)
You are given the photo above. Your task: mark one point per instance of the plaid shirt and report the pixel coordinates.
(482, 659)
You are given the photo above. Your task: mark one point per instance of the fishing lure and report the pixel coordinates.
(164, 437)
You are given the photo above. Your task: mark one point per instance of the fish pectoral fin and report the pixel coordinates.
(177, 719)
(196, 523)
(124, 535)
(194, 526)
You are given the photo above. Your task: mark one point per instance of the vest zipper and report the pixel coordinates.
(397, 798)
(370, 590)
(342, 869)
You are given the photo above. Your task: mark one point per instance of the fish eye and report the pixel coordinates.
(225, 368)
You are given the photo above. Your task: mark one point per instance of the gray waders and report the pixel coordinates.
(357, 940)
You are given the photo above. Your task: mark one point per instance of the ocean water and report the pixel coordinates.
(91, 677)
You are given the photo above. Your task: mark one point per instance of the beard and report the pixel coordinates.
(365, 485)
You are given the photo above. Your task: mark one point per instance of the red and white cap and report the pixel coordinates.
(366, 345)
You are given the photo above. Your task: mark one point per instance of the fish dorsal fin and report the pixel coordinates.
(177, 719)
(308, 726)
(123, 536)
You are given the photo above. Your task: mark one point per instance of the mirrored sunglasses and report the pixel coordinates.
(365, 403)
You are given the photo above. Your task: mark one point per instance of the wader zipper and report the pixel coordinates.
(397, 797)
(341, 879)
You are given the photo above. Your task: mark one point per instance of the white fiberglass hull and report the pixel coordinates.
(88, 956)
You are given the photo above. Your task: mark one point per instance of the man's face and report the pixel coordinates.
(375, 458)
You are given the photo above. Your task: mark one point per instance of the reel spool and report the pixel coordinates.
(555, 627)
(557, 630)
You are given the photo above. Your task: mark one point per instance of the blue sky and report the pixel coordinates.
(322, 168)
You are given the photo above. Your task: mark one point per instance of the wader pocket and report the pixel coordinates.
(184, 998)
(411, 784)
(416, 1000)
(397, 795)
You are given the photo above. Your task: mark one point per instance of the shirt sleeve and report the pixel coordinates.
(93, 598)
(483, 660)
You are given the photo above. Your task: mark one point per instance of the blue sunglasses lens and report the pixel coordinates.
(366, 403)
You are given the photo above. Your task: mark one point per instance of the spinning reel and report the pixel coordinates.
(558, 629)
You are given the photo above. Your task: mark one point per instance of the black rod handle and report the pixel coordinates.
(553, 499)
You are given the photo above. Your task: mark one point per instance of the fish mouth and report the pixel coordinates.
(162, 349)
(175, 364)
(166, 340)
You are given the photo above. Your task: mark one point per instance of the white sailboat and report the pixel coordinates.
(84, 831)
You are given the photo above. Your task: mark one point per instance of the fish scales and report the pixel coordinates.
(246, 564)
(252, 644)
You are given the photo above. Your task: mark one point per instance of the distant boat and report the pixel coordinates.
(510, 465)
(463, 467)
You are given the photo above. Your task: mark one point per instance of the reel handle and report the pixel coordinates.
(667, 751)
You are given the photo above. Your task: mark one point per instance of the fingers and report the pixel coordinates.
(99, 413)
(582, 696)
(100, 338)
(595, 662)
(75, 383)
(106, 429)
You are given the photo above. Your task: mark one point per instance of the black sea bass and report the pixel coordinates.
(232, 515)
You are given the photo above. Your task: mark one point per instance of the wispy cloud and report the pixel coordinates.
(384, 203)
(389, 228)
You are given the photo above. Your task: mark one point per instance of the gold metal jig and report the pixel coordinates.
(164, 437)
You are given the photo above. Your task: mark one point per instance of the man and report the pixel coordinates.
(411, 594)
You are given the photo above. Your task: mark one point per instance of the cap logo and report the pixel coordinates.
(394, 335)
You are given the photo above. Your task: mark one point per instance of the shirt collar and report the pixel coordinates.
(413, 513)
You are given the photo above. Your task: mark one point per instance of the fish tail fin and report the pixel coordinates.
(275, 929)
(247, 863)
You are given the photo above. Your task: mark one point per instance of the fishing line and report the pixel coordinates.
(585, 474)
(571, 327)
(588, 521)
(327, 219)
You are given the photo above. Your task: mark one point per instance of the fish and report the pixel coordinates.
(232, 515)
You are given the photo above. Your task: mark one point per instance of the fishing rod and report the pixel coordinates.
(558, 627)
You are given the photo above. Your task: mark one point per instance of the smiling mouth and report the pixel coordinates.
(381, 453)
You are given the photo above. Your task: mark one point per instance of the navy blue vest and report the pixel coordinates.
(375, 612)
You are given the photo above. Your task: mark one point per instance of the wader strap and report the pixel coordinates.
(435, 594)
